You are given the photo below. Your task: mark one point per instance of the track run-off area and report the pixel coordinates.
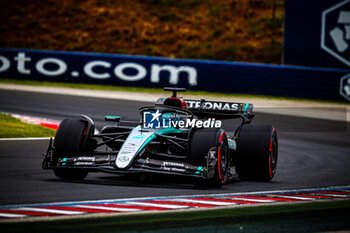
(314, 156)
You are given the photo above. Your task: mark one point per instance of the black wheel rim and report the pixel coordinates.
(273, 155)
(223, 159)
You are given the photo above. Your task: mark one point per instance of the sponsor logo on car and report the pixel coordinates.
(85, 158)
(173, 164)
(123, 158)
(139, 136)
(212, 105)
(83, 163)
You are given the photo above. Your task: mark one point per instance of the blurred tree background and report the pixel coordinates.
(231, 30)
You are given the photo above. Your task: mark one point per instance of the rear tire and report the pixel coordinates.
(204, 140)
(69, 142)
(257, 152)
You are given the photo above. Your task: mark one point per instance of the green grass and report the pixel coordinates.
(159, 90)
(11, 127)
(305, 217)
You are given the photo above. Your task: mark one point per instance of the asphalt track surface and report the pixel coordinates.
(312, 154)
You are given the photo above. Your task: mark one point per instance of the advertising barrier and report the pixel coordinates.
(317, 33)
(140, 71)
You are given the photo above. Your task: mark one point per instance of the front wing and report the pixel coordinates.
(106, 163)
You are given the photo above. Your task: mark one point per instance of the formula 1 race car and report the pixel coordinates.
(174, 137)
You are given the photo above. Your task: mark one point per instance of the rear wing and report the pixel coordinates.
(210, 109)
(220, 110)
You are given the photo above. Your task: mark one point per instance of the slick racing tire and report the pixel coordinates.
(203, 143)
(69, 138)
(257, 152)
(69, 142)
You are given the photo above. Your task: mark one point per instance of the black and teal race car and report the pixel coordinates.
(174, 137)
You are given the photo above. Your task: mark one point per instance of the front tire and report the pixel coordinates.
(257, 152)
(209, 148)
(69, 142)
